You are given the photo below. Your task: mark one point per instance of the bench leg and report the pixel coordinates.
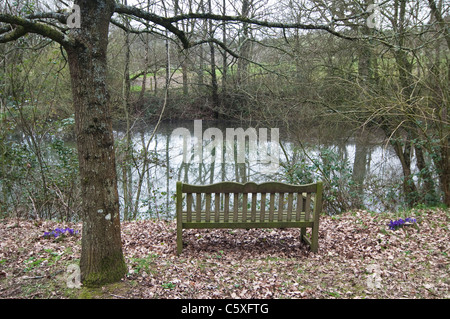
(179, 240)
(315, 238)
(179, 218)
(303, 234)
(314, 242)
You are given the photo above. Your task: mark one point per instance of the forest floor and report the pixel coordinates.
(358, 257)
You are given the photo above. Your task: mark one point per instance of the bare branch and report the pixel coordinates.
(24, 26)
(61, 17)
(151, 17)
(268, 24)
(168, 22)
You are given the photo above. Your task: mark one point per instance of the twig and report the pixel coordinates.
(36, 277)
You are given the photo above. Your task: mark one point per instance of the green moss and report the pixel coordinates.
(112, 269)
(85, 294)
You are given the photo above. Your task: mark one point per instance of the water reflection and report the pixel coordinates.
(367, 155)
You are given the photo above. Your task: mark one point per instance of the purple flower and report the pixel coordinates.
(394, 225)
(60, 232)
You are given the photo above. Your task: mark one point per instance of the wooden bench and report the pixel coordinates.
(249, 205)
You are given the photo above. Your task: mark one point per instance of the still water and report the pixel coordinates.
(366, 155)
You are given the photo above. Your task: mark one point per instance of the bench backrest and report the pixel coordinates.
(249, 202)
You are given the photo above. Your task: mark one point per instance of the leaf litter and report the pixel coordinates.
(359, 257)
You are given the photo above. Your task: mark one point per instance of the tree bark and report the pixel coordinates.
(126, 91)
(214, 85)
(360, 168)
(224, 54)
(404, 155)
(444, 174)
(244, 50)
(443, 162)
(102, 258)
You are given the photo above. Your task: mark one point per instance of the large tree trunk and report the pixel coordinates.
(102, 259)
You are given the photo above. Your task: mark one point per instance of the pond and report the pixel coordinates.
(184, 151)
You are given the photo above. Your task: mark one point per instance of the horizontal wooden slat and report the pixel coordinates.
(277, 224)
(233, 187)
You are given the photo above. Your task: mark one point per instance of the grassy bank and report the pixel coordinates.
(359, 257)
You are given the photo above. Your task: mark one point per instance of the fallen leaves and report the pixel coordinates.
(359, 257)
